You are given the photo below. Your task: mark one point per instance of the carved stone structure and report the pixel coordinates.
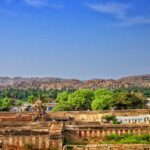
(39, 108)
(46, 131)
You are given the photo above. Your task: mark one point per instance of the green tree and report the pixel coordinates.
(63, 96)
(63, 106)
(6, 103)
(32, 99)
(81, 99)
(19, 103)
(103, 98)
(126, 100)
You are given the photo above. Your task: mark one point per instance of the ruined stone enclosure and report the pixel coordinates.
(51, 131)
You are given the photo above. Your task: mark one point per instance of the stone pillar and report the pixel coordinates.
(88, 133)
(10, 140)
(108, 132)
(37, 142)
(15, 140)
(33, 141)
(103, 133)
(20, 141)
(82, 134)
(121, 132)
(40, 142)
(139, 131)
(47, 142)
(93, 133)
(129, 131)
(28, 142)
(85, 133)
(98, 133)
(113, 132)
(23, 141)
(78, 133)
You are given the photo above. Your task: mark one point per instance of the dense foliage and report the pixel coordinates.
(101, 99)
(127, 139)
(15, 97)
(144, 90)
(84, 99)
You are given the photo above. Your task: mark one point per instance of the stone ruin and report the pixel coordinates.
(40, 130)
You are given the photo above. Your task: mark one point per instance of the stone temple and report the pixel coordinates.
(41, 130)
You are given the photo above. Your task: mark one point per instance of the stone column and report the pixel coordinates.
(23, 141)
(47, 142)
(113, 132)
(103, 133)
(82, 134)
(85, 133)
(37, 142)
(88, 133)
(33, 141)
(98, 133)
(20, 141)
(78, 133)
(40, 142)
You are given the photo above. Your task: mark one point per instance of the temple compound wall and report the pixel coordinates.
(41, 130)
(96, 116)
(26, 142)
(36, 137)
(108, 147)
(101, 131)
(85, 116)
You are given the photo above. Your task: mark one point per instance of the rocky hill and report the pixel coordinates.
(58, 83)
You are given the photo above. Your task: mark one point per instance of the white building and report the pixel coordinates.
(134, 119)
(22, 108)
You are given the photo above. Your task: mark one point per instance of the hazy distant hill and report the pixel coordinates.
(58, 83)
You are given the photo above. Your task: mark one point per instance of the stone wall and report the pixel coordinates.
(17, 130)
(21, 142)
(87, 116)
(38, 136)
(108, 147)
(101, 131)
(96, 116)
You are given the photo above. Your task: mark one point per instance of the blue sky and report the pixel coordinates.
(81, 39)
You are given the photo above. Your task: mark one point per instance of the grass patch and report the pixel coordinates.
(127, 139)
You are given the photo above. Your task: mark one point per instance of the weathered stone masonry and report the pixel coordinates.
(48, 130)
(100, 131)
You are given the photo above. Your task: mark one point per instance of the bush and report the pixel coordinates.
(128, 139)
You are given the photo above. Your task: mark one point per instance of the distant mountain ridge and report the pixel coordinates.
(58, 83)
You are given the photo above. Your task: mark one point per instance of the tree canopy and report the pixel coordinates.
(101, 99)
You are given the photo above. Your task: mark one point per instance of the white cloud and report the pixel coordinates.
(38, 3)
(42, 3)
(120, 12)
(135, 21)
(116, 9)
